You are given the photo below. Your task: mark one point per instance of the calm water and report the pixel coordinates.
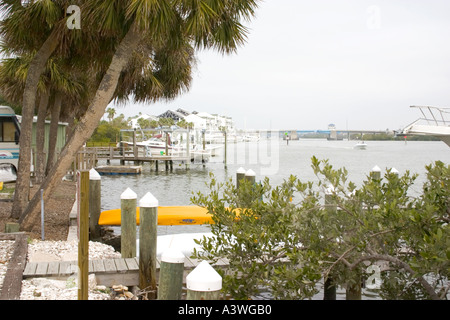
(277, 160)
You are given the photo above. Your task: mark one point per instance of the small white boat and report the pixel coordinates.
(360, 145)
(251, 138)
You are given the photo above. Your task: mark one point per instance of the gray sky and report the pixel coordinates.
(306, 64)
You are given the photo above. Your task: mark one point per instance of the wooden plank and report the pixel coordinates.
(121, 265)
(30, 269)
(222, 262)
(110, 266)
(53, 268)
(73, 267)
(65, 268)
(9, 236)
(12, 283)
(132, 264)
(191, 263)
(98, 266)
(41, 269)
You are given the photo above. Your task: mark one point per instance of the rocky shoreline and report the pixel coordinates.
(51, 289)
(58, 246)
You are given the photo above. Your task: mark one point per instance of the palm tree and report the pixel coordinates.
(22, 30)
(111, 113)
(39, 28)
(205, 24)
(54, 81)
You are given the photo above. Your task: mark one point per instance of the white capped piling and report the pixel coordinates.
(376, 173)
(395, 171)
(329, 290)
(203, 283)
(171, 275)
(330, 203)
(148, 214)
(128, 223)
(95, 195)
(240, 174)
(250, 176)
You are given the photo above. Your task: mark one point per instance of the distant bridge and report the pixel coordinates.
(332, 134)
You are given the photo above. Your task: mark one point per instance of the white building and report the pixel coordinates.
(134, 122)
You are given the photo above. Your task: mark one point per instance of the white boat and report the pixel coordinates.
(435, 122)
(251, 138)
(360, 145)
(152, 146)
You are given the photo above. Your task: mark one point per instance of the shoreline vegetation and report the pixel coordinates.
(108, 132)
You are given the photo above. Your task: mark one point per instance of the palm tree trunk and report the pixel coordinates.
(40, 138)
(36, 68)
(53, 136)
(86, 125)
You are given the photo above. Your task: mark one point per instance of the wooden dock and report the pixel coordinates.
(12, 284)
(88, 157)
(114, 170)
(108, 272)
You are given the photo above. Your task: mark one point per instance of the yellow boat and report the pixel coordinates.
(167, 216)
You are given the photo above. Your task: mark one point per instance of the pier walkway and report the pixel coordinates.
(108, 272)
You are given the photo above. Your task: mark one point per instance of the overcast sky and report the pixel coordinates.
(355, 63)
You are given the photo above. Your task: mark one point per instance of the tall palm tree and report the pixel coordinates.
(205, 24)
(55, 80)
(39, 28)
(111, 113)
(19, 31)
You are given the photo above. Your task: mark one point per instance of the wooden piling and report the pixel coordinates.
(11, 227)
(329, 288)
(147, 244)
(83, 244)
(376, 173)
(171, 275)
(240, 174)
(353, 290)
(203, 283)
(225, 150)
(188, 141)
(128, 225)
(167, 146)
(135, 150)
(250, 176)
(95, 195)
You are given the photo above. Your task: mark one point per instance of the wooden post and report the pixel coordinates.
(171, 275)
(188, 141)
(203, 139)
(353, 290)
(250, 176)
(95, 194)
(128, 225)
(83, 244)
(376, 173)
(148, 208)
(240, 174)
(42, 216)
(135, 151)
(329, 288)
(167, 144)
(225, 150)
(203, 283)
(11, 227)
